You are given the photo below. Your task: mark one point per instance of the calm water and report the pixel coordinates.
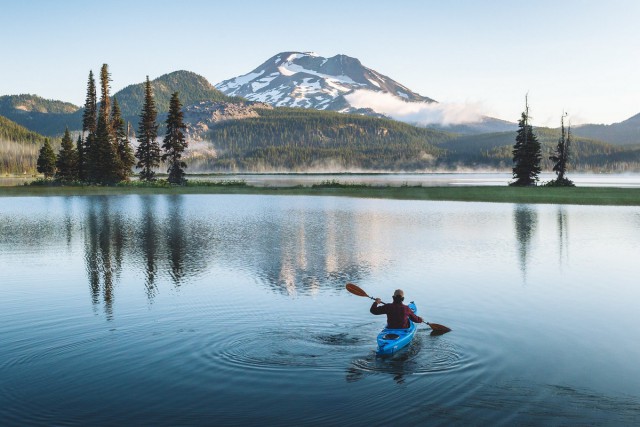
(628, 180)
(623, 180)
(231, 310)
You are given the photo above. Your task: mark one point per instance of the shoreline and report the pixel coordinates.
(600, 196)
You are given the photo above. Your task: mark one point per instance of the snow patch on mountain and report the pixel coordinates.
(341, 83)
(305, 79)
(239, 81)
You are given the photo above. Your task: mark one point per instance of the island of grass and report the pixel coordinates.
(496, 194)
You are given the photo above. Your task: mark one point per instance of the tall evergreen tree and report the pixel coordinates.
(86, 155)
(126, 159)
(81, 159)
(105, 103)
(148, 151)
(526, 153)
(104, 164)
(106, 169)
(46, 160)
(90, 114)
(67, 161)
(174, 142)
(561, 156)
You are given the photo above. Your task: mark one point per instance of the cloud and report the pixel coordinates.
(422, 113)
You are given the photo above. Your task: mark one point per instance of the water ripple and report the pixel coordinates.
(426, 355)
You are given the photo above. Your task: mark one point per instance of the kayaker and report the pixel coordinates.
(398, 314)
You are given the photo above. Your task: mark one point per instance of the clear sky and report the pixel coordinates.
(578, 56)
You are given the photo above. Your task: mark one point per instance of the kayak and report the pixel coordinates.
(392, 340)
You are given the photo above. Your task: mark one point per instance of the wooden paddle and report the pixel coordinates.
(357, 290)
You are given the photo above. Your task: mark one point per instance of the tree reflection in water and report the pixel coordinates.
(176, 241)
(563, 234)
(525, 219)
(149, 243)
(155, 240)
(102, 243)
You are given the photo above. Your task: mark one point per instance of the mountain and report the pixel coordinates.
(341, 83)
(297, 79)
(34, 103)
(44, 116)
(49, 117)
(12, 131)
(19, 148)
(202, 116)
(624, 133)
(496, 150)
(192, 88)
(298, 139)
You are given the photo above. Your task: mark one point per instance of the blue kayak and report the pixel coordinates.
(392, 340)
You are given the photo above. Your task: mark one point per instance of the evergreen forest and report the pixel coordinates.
(274, 139)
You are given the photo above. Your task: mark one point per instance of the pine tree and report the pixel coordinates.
(81, 160)
(174, 142)
(526, 153)
(561, 156)
(126, 159)
(148, 151)
(47, 160)
(106, 168)
(104, 162)
(86, 155)
(105, 103)
(90, 114)
(67, 161)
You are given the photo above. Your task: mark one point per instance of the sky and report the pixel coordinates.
(582, 57)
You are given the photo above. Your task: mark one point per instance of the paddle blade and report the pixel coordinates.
(356, 290)
(439, 329)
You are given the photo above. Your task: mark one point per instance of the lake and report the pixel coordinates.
(232, 310)
(622, 180)
(444, 179)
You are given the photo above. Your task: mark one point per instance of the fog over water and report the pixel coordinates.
(419, 179)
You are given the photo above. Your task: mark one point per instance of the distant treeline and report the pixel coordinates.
(18, 148)
(495, 151)
(11, 131)
(298, 139)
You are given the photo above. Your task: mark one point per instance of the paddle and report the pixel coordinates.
(357, 290)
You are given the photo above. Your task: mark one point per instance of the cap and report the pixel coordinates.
(398, 293)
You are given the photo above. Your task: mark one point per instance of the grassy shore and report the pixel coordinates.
(496, 194)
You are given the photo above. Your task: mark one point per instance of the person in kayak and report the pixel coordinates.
(398, 314)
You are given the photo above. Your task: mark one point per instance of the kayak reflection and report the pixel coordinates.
(402, 364)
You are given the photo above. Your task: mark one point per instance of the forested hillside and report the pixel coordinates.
(623, 133)
(50, 118)
(192, 88)
(44, 116)
(18, 148)
(12, 131)
(495, 150)
(300, 139)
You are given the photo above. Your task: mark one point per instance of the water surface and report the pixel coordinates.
(231, 310)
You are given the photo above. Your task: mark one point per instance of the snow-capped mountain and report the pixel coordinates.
(297, 79)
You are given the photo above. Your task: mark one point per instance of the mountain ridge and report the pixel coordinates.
(192, 88)
(342, 83)
(341, 74)
(626, 132)
(305, 79)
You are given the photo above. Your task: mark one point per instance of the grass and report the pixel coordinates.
(497, 194)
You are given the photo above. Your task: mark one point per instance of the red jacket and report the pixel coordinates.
(398, 314)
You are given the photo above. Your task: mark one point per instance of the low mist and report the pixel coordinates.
(421, 113)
